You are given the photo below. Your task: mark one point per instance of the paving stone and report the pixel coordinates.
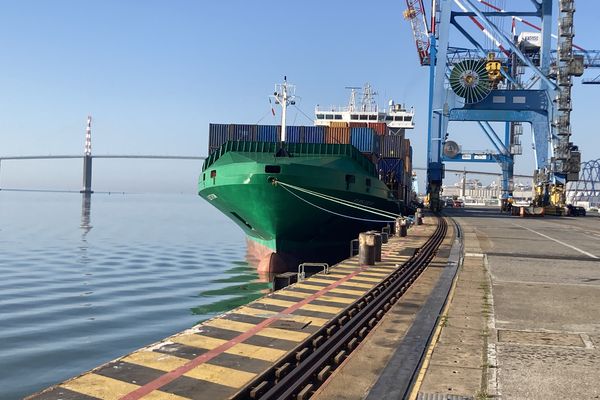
(540, 338)
(455, 381)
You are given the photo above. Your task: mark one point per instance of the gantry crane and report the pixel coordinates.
(489, 85)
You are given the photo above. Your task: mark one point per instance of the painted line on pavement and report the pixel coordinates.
(558, 241)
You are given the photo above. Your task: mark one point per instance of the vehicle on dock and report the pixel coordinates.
(575, 211)
(301, 193)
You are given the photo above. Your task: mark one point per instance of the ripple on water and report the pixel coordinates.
(70, 301)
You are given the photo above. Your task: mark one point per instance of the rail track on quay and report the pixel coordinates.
(291, 343)
(301, 372)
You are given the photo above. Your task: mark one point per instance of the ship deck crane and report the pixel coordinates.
(483, 85)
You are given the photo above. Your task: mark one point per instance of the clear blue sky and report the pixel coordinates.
(154, 73)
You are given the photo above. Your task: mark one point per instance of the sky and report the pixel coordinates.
(154, 74)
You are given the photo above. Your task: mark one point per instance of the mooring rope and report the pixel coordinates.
(344, 202)
(392, 217)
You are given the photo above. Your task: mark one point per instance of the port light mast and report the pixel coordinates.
(285, 95)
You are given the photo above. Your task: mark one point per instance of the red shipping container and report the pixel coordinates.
(337, 135)
(357, 125)
(379, 127)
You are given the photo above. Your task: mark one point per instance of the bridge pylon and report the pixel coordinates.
(87, 159)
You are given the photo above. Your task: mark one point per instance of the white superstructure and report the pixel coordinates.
(395, 117)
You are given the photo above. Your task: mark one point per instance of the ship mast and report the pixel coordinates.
(352, 103)
(284, 95)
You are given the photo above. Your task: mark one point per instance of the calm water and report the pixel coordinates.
(85, 282)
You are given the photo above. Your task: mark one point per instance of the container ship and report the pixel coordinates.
(302, 193)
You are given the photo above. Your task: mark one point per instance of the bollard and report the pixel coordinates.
(366, 248)
(391, 229)
(401, 227)
(397, 225)
(419, 216)
(384, 237)
(378, 242)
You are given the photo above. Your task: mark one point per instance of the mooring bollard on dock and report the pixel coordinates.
(401, 227)
(378, 243)
(391, 228)
(384, 237)
(366, 248)
(419, 216)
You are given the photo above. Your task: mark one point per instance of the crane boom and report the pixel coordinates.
(415, 13)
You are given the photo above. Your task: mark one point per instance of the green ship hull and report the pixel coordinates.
(286, 225)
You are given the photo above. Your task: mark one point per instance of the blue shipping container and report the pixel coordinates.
(388, 168)
(217, 134)
(365, 140)
(313, 134)
(293, 134)
(245, 133)
(268, 133)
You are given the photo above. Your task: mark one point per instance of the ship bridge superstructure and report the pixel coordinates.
(397, 116)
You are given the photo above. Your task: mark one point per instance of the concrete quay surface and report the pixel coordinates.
(523, 321)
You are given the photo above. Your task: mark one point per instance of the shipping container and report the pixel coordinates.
(365, 140)
(314, 134)
(338, 124)
(268, 133)
(337, 135)
(389, 169)
(293, 134)
(379, 127)
(217, 134)
(357, 125)
(239, 132)
(392, 147)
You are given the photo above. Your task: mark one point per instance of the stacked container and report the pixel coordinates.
(337, 135)
(365, 139)
(305, 134)
(268, 133)
(338, 124)
(221, 133)
(379, 127)
(217, 135)
(293, 134)
(388, 167)
(313, 134)
(392, 146)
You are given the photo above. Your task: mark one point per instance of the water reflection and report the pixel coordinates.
(238, 285)
(86, 207)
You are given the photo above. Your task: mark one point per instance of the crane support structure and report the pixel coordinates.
(525, 79)
(415, 13)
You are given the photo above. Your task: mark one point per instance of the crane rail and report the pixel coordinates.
(298, 375)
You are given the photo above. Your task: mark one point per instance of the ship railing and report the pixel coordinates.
(300, 148)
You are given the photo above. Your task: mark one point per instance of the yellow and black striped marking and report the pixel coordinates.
(219, 357)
